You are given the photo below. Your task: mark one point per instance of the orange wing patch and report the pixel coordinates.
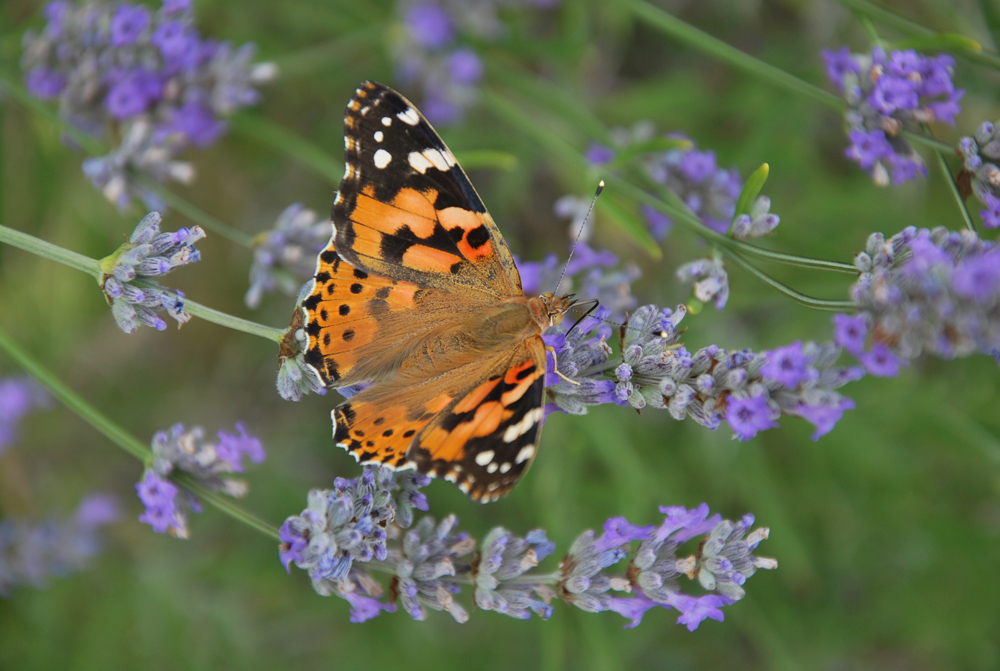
(342, 311)
(381, 432)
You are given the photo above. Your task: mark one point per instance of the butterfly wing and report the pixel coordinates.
(483, 436)
(406, 209)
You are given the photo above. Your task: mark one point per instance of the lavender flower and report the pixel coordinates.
(120, 70)
(694, 176)
(923, 290)
(431, 55)
(981, 157)
(709, 386)
(209, 463)
(350, 532)
(135, 300)
(285, 257)
(18, 397)
(709, 278)
(887, 93)
(31, 553)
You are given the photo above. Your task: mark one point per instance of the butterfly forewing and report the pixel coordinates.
(406, 209)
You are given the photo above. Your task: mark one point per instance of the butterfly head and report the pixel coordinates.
(554, 307)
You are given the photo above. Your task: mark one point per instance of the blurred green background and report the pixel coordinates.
(887, 530)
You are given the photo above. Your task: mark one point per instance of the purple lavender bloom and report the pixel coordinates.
(127, 24)
(197, 122)
(232, 448)
(430, 26)
(293, 539)
(45, 83)
(658, 222)
(838, 64)
(868, 147)
(618, 532)
(174, 40)
(159, 497)
(787, 365)
(465, 66)
(133, 93)
(697, 609)
(18, 397)
(880, 361)
(978, 278)
(824, 417)
(991, 215)
(747, 416)
(439, 109)
(364, 608)
(98, 510)
(598, 154)
(891, 94)
(851, 332)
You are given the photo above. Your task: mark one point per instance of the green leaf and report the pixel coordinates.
(940, 42)
(755, 182)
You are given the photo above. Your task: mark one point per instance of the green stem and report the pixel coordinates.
(808, 301)
(120, 436)
(953, 188)
(92, 267)
(45, 249)
(235, 323)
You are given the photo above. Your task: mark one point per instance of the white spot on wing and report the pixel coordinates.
(504, 467)
(422, 160)
(382, 158)
(379, 136)
(484, 457)
(409, 115)
(492, 468)
(526, 453)
(515, 431)
(386, 121)
(451, 477)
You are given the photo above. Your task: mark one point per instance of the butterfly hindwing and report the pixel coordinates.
(482, 436)
(406, 209)
(486, 439)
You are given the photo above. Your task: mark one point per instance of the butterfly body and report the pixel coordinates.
(418, 296)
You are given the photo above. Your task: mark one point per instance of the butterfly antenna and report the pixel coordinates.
(579, 233)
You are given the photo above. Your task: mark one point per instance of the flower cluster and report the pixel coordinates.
(695, 177)
(31, 553)
(145, 81)
(18, 397)
(356, 528)
(746, 389)
(923, 290)
(430, 56)
(285, 257)
(981, 158)
(208, 463)
(134, 298)
(709, 279)
(887, 93)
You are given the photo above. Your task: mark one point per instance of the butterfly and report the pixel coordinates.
(417, 295)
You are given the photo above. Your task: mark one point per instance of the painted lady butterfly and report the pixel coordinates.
(417, 293)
